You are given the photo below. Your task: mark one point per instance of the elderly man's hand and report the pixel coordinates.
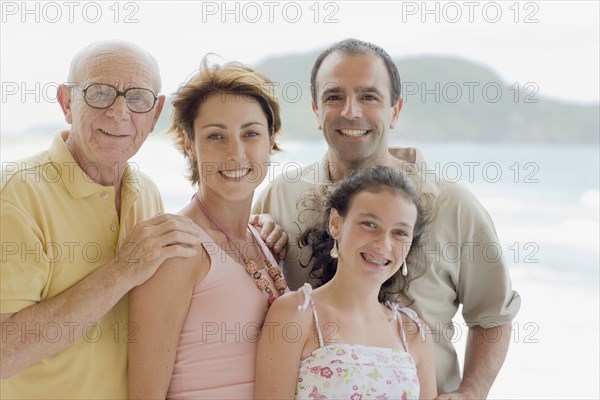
(152, 242)
(273, 235)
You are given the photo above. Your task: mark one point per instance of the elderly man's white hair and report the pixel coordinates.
(84, 58)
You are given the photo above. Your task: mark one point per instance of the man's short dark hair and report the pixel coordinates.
(353, 47)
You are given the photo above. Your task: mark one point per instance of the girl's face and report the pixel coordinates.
(375, 236)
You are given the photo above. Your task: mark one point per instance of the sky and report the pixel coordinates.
(553, 44)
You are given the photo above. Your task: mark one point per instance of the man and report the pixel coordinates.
(79, 230)
(356, 99)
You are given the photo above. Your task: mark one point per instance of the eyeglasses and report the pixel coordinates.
(100, 95)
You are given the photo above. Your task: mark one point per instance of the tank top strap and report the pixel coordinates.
(412, 315)
(307, 290)
(204, 236)
(262, 245)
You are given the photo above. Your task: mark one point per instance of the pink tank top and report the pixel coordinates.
(217, 346)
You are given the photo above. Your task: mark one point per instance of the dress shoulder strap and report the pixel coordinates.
(412, 315)
(307, 290)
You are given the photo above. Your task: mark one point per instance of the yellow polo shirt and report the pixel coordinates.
(57, 227)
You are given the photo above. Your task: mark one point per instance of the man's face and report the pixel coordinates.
(113, 135)
(354, 108)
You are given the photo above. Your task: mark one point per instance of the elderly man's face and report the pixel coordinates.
(110, 136)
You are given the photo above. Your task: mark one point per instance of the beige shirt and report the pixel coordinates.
(459, 263)
(58, 226)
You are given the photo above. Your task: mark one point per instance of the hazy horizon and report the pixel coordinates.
(552, 43)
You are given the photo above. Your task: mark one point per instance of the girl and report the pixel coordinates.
(347, 339)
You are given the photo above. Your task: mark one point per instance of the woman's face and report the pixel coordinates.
(231, 145)
(375, 235)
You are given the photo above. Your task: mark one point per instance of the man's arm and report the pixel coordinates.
(485, 354)
(485, 291)
(150, 243)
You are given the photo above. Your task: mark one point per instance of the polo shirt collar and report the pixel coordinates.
(77, 182)
(318, 172)
(426, 183)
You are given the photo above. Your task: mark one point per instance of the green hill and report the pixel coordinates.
(445, 99)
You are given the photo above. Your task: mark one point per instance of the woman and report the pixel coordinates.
(197, 320)
(349, 344)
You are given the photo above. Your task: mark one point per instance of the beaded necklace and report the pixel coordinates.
(251, 266)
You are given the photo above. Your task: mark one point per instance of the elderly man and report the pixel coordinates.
(80, 228)
(356, 99)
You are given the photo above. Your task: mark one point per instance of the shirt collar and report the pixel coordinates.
(77, 182)
(425, 183)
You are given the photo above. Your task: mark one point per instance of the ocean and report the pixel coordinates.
(545, 203)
